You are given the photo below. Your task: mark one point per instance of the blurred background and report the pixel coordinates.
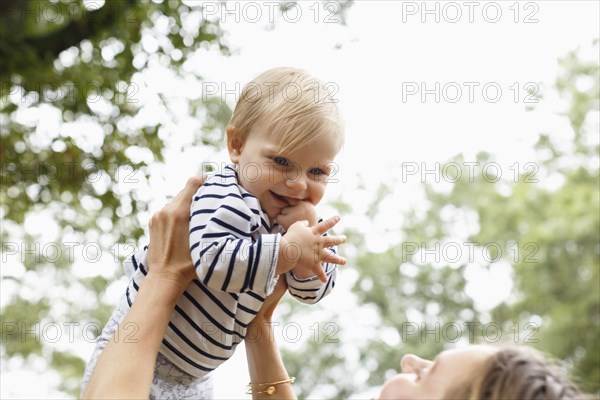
(468, 185)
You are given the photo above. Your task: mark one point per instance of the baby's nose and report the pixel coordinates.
(297, 183)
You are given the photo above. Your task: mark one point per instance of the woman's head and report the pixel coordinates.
(518, 373)
(480, 372)
(425, 379)
(294, 107)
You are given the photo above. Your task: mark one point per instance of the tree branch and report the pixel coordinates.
(49, 46)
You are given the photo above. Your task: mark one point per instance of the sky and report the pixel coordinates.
(418, 83)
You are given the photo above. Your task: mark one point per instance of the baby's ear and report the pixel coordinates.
(234, 144)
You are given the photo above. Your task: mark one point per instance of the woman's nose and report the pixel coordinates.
(411, 363)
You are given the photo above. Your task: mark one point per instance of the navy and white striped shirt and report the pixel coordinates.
(235, 251)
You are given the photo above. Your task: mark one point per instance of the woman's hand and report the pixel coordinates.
(125, 368)
(169, 251)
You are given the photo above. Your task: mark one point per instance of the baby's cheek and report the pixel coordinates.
(316, 192)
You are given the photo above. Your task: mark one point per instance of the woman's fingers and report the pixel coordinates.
(179, 207)
(185, 195)
(169, 238)
(192, 185)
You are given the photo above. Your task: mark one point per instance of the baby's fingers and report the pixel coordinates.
(333, 258)
(319, 273)
(325, 225)
(330, 241)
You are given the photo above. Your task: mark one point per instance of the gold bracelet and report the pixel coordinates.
(270, 386)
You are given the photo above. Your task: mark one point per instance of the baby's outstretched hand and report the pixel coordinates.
(305, 245)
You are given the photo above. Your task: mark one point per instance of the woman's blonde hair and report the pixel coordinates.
(518, 373)
(294, 107)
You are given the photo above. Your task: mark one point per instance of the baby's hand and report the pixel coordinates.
(301, 211)
(305, 245)
(302, 272)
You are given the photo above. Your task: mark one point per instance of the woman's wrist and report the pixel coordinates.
(165, 286)
(135, 356)
(268, 376)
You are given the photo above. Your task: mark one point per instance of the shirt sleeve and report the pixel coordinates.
(311, 290)
(227, 251)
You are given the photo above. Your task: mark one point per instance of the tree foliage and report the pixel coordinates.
(81, 65)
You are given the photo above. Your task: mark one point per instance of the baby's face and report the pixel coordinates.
(282, 180)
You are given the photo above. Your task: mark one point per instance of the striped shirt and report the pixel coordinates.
(234, 250)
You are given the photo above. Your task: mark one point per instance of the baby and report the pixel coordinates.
(251, 224)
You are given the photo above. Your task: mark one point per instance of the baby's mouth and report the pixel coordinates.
(280, 198)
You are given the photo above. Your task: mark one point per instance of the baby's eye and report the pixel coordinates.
(322, 169)
(280, 161)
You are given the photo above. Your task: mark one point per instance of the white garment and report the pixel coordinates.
(168, 382)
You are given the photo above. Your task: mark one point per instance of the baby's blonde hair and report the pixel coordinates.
(295, 108)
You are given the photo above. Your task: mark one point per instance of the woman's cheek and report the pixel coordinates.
(402, 386)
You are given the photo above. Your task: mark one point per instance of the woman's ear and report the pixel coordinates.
(234, 144)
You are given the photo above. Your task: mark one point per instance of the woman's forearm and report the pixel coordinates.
(126, 366)
(264, 362)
